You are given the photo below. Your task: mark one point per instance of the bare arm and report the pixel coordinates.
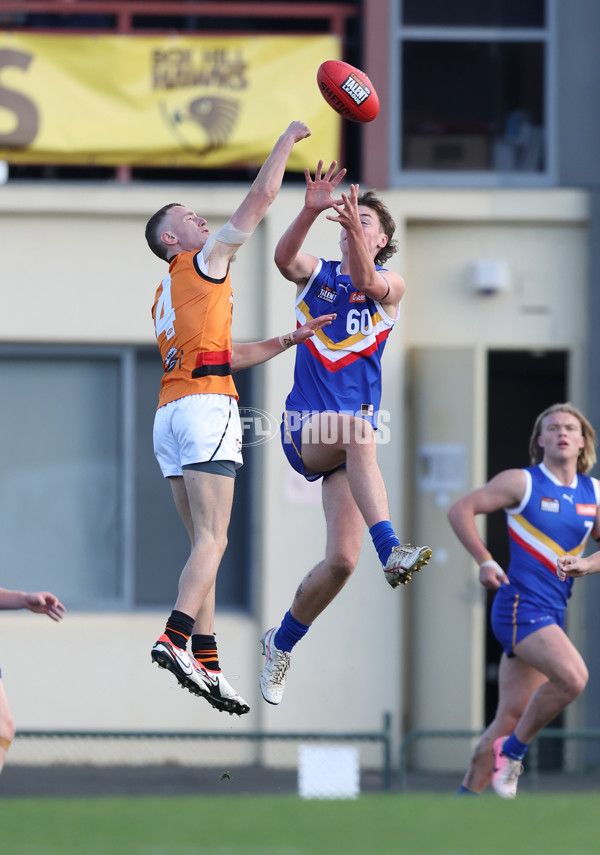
(569, 565)
(388, 287)
(292, 263)
(247, 354)
(41, 602)
(268, 181)
(261, 195)
(505, 490)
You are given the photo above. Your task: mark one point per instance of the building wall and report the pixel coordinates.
(78, 256)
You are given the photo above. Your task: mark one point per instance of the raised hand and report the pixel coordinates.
(346, 210)
(299, 131)
(319, 191)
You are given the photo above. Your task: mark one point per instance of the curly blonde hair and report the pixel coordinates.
(587, 455)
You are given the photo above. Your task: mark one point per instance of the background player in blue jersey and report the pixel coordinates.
(331, 412)
(551, 509)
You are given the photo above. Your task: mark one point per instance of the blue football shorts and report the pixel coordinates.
(292, 423)
(515, 616)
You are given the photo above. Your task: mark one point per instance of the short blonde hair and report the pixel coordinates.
(587, 455)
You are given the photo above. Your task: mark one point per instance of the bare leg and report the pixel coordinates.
(329, 439)
(345, 528)
(204, 501)
(205, 618)
(209, 500)
(554, 654)
(546, 675)
(516, 684)
(320, 586)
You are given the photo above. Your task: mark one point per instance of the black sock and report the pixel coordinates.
(179, 628)
(204, 649)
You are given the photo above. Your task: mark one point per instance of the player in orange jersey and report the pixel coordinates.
(42, 603)
(197, 432)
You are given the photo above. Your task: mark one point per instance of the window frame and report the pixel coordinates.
(124, 357)
(126, 494)
(399, 34)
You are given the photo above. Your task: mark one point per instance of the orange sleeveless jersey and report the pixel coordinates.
(192, 320)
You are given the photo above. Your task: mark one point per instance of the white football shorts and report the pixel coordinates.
(197, 429)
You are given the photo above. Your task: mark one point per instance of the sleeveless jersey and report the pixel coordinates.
(339, 368)
(552, 520)
(192, 319)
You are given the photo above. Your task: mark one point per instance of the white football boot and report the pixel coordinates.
(272, 679)
(405, 560)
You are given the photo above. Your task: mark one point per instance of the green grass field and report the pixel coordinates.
(414, 824)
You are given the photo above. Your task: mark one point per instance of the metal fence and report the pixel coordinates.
(225, 751)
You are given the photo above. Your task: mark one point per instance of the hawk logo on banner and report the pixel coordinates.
(210, 117)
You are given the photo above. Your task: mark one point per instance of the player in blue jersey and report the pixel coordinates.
(331, 412)
(551, 509)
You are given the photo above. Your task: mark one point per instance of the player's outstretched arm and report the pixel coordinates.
(292, 263)
(388, 287)
(41, 602)
(268, 181)
(222, 246)
(247, 354)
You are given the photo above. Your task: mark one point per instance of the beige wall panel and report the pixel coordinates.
(545, 301)
(81, 271)
(68, 677)
(448, 606)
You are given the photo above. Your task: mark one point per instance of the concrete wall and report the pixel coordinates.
(76, 269)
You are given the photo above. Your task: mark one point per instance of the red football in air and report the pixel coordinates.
(348, 90)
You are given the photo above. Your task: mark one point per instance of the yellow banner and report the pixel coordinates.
(162, 101)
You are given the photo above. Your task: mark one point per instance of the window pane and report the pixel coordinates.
(473, 106)
(59, 468)
(161, 542)
(474, 13)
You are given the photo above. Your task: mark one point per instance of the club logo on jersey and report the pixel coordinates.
(171, 359)
(586, 510)
(366, 409)
(327, 294)
(551, 505)
(358, 297)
